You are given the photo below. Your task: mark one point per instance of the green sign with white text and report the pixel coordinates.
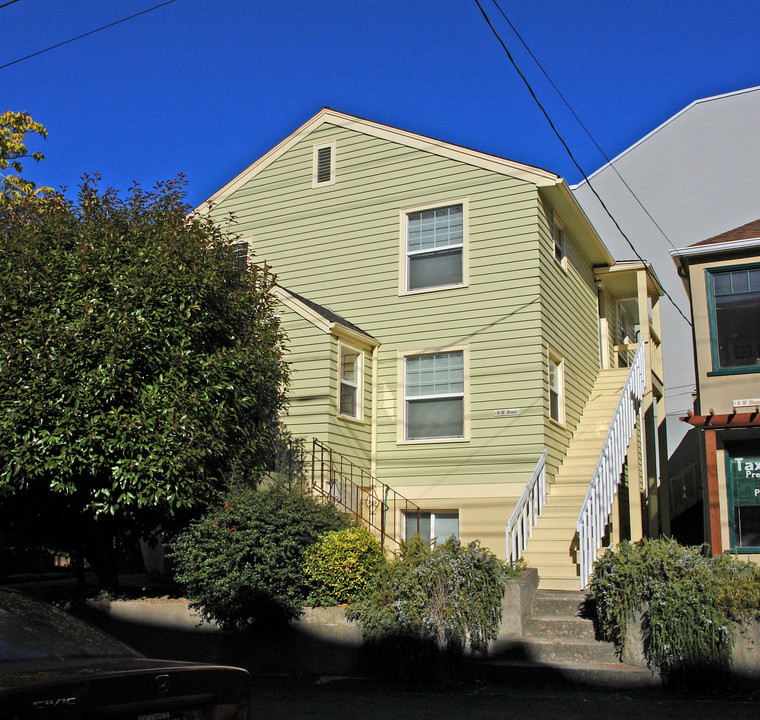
(745, 473)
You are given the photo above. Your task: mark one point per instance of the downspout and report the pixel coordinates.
(373, 405)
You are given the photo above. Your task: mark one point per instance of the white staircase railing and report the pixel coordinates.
(526, 512)
(597, 506)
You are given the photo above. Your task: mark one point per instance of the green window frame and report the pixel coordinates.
(733, 301)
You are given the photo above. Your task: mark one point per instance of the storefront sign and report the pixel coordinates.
(746, 476)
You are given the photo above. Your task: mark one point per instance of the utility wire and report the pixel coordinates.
(572, 157)
(8, 3)
(580, 122)
(79, 37)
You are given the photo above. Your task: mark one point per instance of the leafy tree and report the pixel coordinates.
(14, 127)
(140, 369)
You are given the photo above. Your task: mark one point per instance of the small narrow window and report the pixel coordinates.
(558, 236)
(324, 165)
(556, 388)
(349, 401)
(240, 255)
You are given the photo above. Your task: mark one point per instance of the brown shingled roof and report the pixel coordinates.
(750, 231)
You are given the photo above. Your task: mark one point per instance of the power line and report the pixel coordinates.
(572, 157)
(585, 129)
(79, 37)
(8, 3)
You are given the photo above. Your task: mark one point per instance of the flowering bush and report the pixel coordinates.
(342, 566)
(688, 601)
(431, 601)
(244, 560)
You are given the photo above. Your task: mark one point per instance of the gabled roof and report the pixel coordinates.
(327, 116)
(552, 186)
(749, 231)
(323, 317)
(741, 239)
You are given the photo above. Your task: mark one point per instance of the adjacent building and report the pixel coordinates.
(722, 277)
(692, 177)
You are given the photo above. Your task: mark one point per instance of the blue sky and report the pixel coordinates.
(205, 88)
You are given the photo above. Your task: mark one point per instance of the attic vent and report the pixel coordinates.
(324, 164)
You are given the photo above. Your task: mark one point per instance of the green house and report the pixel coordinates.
(461, 343)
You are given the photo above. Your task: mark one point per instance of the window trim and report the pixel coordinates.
(402, 355)
(403, 240)
(717, 370)
(559, 363)
(343, 347)
(315, 183)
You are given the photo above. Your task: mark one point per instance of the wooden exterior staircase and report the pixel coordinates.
(553, 547)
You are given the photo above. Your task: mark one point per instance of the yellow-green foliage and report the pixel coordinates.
(342, 566)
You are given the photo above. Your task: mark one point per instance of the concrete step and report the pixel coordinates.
(560, 626)
(569, 650)
(568, 604)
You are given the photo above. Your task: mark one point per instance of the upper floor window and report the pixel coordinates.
(558, 236)
(434, 396)
(435, 240)
(350, 394)
(556, 388)
(323, 172)
(734, 305)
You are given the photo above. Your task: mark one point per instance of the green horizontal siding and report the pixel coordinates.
(338, 245)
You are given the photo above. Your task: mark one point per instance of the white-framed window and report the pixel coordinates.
(435, 395)
(557, 230)
(556, 388)
(351, 372)
(434, 247)
(432, 527)
(323, 171)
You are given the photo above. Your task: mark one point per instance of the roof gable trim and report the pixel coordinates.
(537, 176)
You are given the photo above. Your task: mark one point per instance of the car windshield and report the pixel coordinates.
(30, 630)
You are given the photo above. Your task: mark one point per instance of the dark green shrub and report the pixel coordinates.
(244, 560)
(688, 602)
(432, 601)
(342, 566)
